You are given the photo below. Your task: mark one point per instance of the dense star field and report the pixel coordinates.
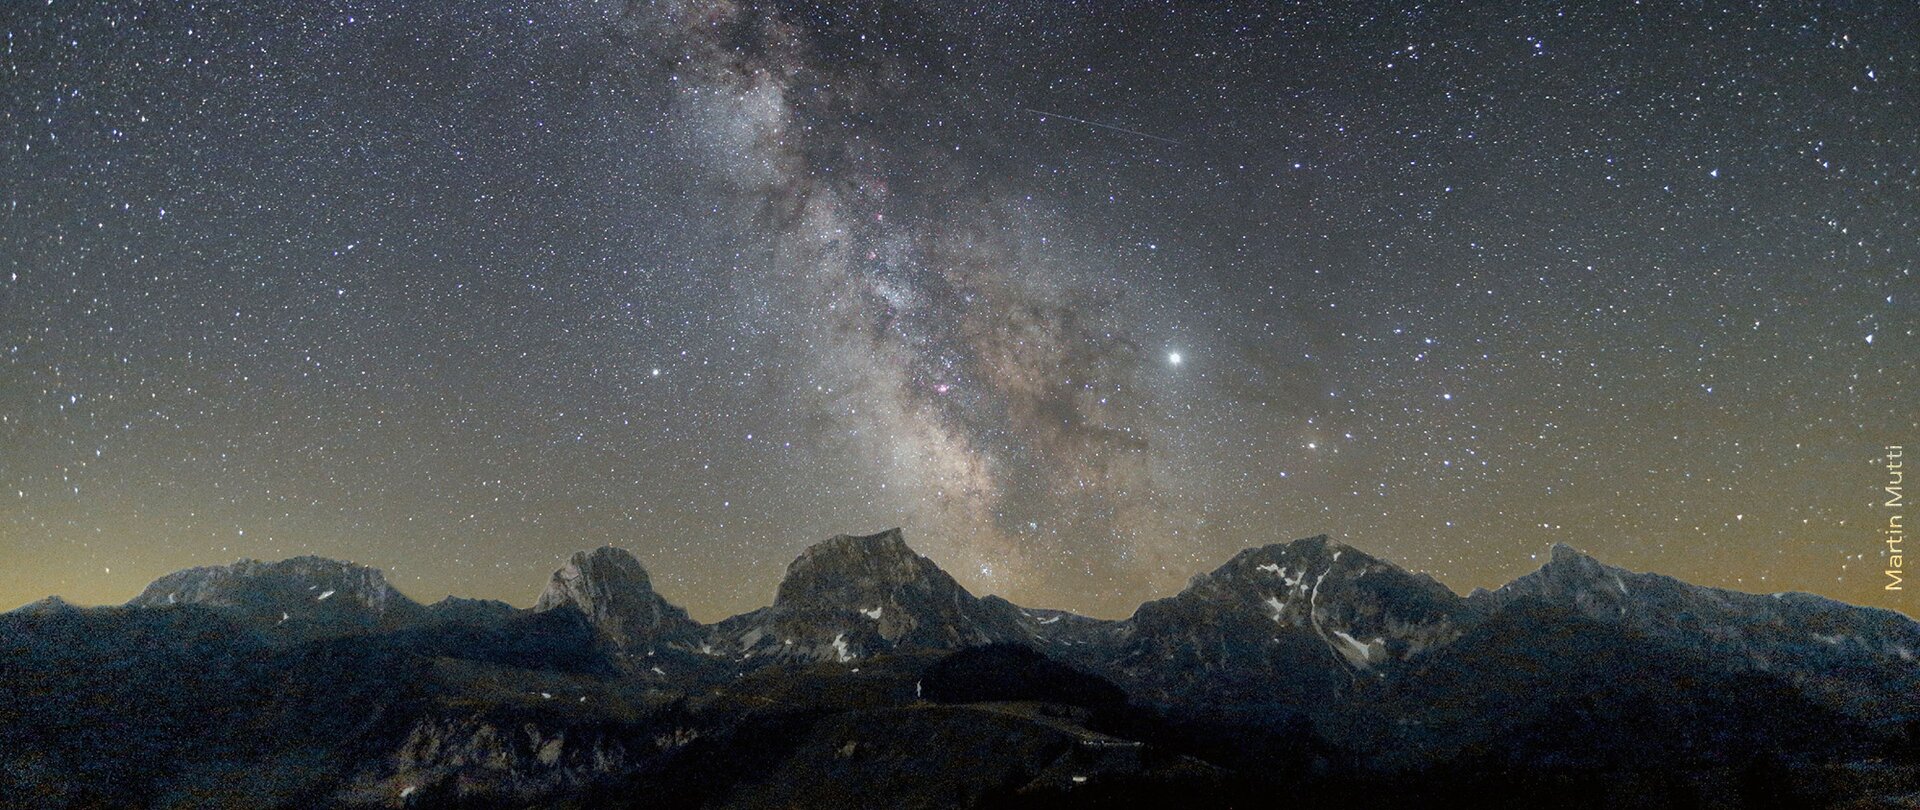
(1084, 297)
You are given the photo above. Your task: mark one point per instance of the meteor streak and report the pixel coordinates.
(1100, 125)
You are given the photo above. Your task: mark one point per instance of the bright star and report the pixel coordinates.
(1173, 358)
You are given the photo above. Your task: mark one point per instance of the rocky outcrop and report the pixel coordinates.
(478, 760)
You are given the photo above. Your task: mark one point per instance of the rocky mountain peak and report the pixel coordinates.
(851, 596)
(1782, 632)
(1319, 574)
(1575, 579)
(601, 571)
(612, 589)
(846, 569)
(307, 594)
(1565, 560)
(461, 610)
(1317, 551)
(51, 604)
(1312, 617)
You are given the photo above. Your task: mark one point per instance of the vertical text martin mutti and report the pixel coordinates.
(1895, 530)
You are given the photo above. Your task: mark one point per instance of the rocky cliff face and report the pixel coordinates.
(477, 760)
(855, 596)
(613, 590)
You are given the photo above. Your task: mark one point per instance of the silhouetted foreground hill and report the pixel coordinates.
(1298, 674)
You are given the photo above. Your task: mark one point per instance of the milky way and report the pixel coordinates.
(456, 288)
(993, 379)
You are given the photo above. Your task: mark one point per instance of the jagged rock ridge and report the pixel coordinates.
(1294, 650)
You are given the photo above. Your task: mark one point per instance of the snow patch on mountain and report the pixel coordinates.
(1360, 653)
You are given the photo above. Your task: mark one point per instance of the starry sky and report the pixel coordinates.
(1085, 296)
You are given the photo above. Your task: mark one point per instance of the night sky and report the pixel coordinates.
(1085, 297)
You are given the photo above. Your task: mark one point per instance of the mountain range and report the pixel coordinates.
(1306, 673)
